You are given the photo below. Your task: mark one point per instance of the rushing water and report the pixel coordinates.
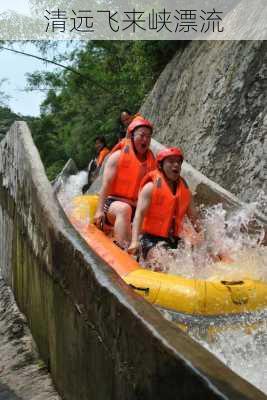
(225, 235)
(241, 345)
(243, 349)
(71, 188)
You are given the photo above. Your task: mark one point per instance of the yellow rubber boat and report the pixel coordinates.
(171, 292)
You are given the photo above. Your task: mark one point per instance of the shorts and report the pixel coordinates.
(148, 241)
(111, 200)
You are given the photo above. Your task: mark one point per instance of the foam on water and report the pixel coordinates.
(262, 202)
(227, 235)
(243, 348)
(71, 188)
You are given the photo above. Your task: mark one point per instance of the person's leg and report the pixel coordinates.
(119, 214)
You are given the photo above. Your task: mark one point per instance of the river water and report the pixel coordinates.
(242, 344)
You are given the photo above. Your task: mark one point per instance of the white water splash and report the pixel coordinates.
(71, 188)
(225, 235)
(262, 202)
(243, 348)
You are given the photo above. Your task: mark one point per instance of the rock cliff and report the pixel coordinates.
(211, 101)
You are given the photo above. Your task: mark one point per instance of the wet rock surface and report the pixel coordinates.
(23, 375)
(211, 100)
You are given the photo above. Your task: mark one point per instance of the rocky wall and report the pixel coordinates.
(99, 339)
(211, 100)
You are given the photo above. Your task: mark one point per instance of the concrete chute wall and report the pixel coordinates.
(99, 339)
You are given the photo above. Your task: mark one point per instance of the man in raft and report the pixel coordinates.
(101, 149)
(122, 176)
(163, 202)
(119, 145)
(94, 166)
(125, 119)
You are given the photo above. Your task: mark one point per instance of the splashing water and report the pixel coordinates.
(226, 235)
(71, 188)
(262, 202)
(242, 347)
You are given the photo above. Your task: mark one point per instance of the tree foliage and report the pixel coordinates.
(7, 117)
(81, 104)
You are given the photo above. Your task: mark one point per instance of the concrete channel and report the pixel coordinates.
(97, 338)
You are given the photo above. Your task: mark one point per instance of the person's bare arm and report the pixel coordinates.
(194, 216)
(143, 204)
(108, 177)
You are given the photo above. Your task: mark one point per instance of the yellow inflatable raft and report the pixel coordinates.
(171, 292)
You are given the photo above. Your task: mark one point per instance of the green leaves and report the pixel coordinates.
(7, 117)
(85, 102)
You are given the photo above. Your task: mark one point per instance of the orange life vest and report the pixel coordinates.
(119, 145)
(101, 156)
(130, 172)
(166, 209)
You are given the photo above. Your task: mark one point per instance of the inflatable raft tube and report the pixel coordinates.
(171, 292)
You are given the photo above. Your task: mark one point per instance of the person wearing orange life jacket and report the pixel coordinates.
(95, 164)
(122, 176)
(163, 202)
(125, 119)
(102, 150)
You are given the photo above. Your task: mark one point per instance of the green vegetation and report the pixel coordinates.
(7, 117)
(81, 104)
